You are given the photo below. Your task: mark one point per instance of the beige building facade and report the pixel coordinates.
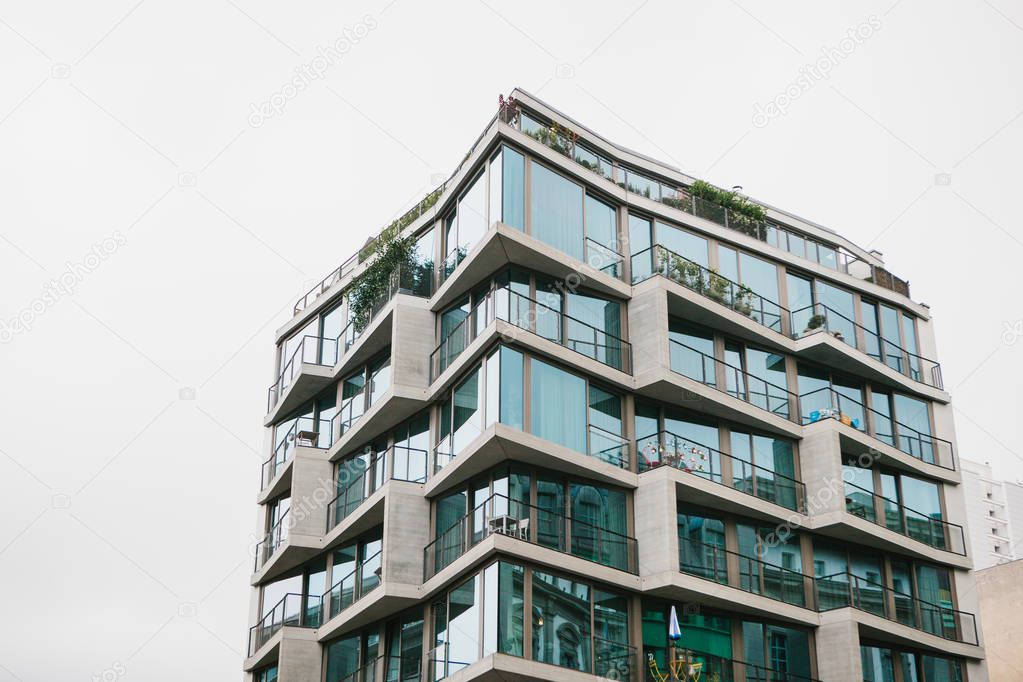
(575, 389)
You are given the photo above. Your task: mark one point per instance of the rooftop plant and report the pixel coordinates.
(393, 258)
(744, 215)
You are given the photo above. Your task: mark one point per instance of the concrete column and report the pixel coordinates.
(301, 657)
(820, 462)
(413, 339)
(312, 489)
(648, 324)
(838, 652)
(656, 526)
(406, 533)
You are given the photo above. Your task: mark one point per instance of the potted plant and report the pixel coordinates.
(814, 323)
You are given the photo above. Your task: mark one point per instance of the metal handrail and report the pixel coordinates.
(335, 596)
(500, 515)
(527, 314)
(907, 363)
(305, 616)
(731, 670)
(284, 449)
(365, 484)
(668, 449)
(880, 600)
(904, 438)
(949, 536)
(272, 541)
(780, 401)
(749, 574)
(710, 284)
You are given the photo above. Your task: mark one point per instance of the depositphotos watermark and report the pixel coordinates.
(56, 289)
(316, 69)
(811, 74)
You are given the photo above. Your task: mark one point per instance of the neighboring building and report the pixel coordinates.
(590, 394)
(994, 515)
(1001, 605)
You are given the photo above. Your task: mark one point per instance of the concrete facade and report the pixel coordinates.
(1001, 606)
(994, 509)
(370, 437)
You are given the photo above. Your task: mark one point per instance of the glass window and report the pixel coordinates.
(938, 669)
(379, 379)
(841, 311)
(685, 244)
(556, 212)
(559, 406)
(422, 276)
(601, 223)
(594, 511)
(611, 635)
(785, 651)
(643, 256)
(513, 199)
(701, 540)
(605, 418)
(692, 351)
(343, 657)
(404, 649)
(472, 215)
(764, 466)
(859, 492)
(594, 328)
(466, 419)
(892, 345)
(877, 664)
(923, 511)
(463, 624)
(561, 622)
(872, 339)
(914, 419)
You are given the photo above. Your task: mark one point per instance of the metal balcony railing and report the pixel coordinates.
(828, 403)
(890, 514)
(668, 449)
(364, 578)
(328, 352)
(659, 260)
(735, 381)
(604, 445)
(273, 540)
(843, 590)
(529, 315)
(820, 318)
(749, 574)
(398, 462)
(305, 432)
(293, 610)
(730, 670)
(501, 515)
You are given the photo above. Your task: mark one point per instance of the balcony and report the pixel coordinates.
(501, 303)
(499, 515)
(659, 260)
(918, 526)
(827, 403)
(746, 573)
(399, 462)
(730, 670)
(607, 660)
(843, 590)
(273, 540)
(667, 449)
(605, 446)
(304, 374)
(293, 610)
(310, 367)
(820, 318)
(351, 588)
(732, 380)
(305, 432)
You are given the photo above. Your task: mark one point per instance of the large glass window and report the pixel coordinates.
(493, 599)
(559, 406)
(785, 651)
(701, 540)
(684, 243)
(764, 466)
(561, 622)
(914, 414)
(556, 211)
(404, 649)
(692, 351)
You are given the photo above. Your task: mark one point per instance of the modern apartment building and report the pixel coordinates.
(592, 392)
(994, 515)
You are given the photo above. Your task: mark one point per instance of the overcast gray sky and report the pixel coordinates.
(133, 168)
